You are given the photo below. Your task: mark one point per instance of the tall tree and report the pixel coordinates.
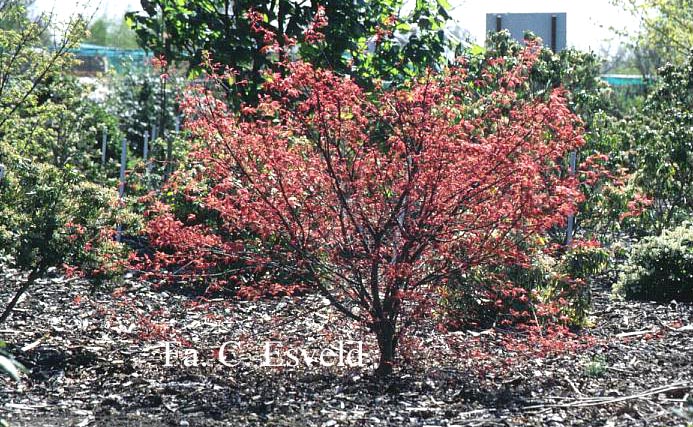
(105, 32)
(666, 33)
(24, 63)
(357, 31)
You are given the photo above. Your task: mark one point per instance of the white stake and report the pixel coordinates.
(571, 218)
(104, 141)
(121, 186)
(145, 150)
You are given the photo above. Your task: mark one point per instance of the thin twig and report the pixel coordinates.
(597, 401)
(637, 333)
(574, 387)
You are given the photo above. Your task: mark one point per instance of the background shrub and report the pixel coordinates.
(546, 289)
(140, 98)
(603, 164)
(54, 217)
(660, 142)
(660, 268)
(61, 126)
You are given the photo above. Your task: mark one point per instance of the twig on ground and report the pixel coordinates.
(637, 333)
(34, 344)
(597, 401)
(574, 387)
(12, 331)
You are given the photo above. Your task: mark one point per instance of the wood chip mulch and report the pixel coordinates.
(98, 359)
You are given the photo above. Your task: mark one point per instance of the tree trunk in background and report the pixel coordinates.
(10, 306)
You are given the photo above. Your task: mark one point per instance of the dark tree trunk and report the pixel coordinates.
(10, 306)
(387, 343)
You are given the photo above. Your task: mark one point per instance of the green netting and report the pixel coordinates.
(115, 58)
(623, 80)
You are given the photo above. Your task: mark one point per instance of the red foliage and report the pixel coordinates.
(312, 33)
(373, 198)
(636, 206)
(538, 342)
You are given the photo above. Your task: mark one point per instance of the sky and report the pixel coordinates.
(588, 21)
(63, 9)
(587, 26)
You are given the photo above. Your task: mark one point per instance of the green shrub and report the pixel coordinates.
(8, 365)
(547, 288)
(582, 261)
(660, 268)
(61, 126)
(52, 217)
(596, 367)
(467, 300)
(564, 292)
(660, 138)
(88, 238)
(140, 98)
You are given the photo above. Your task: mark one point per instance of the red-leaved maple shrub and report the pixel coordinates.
(374, 199)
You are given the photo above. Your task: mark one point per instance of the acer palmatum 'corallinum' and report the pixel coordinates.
(373, 198)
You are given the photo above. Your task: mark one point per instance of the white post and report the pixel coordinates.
(123, 163)
(145, 154)
(177, 124)
(104, 141)
(121, 186)
(571, 218)
(145, 150)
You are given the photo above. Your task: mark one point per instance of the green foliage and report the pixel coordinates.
(51, 217)
(660, 140)
(24, 64)
(90, 245)
(596, 367)
(666, 33)
(562, 281)
(404, 48)
(45, 132)
(548, 287)
(143, 177)
(467, 300)
(45, 114)
(98, 32)
(59, 125)
(660, 268)
(140, 98)
(118, 34)
(609, 208)
(8, 365)
(361, 39)
(577, 71)
(30, 199)
(585, 261)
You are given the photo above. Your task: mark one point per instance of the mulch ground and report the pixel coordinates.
(98, 358)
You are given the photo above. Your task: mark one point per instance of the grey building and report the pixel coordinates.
(551, 27)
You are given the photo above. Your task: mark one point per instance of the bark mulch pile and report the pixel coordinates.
(99, 359)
